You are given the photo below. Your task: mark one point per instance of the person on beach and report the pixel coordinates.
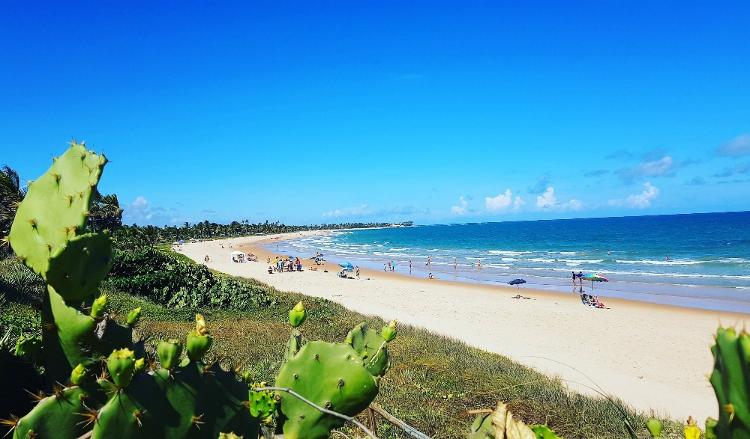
(409, 266)
(429, 260)
(430, 276)
(385, 268)
(356, 271)
(205, 260)
(479, 264)
(393, 267)
(389, 266)
(455, 263)
(574, 279)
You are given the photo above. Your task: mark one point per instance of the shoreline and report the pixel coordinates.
(651, 356)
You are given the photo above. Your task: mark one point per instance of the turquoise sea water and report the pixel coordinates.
(698, 260)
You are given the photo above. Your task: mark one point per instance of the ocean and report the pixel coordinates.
(696, 260)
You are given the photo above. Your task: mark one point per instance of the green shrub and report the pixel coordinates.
(176, 283)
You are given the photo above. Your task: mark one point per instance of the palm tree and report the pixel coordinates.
(11, 194)
(105, 212)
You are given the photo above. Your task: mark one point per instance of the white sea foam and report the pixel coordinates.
(656, 262)
(508, 252)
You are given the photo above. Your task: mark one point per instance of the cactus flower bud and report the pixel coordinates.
(654, 427)
(200, 325)
(99, 306)
(78, 374)
(140, 365)
(198, 345)
(134, 316)
(169, 353)
(389, 331)
(297, 315)
(121, 365)
(711, 424)
(691, 430)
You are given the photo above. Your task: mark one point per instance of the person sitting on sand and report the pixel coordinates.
(430, 276)
(205, 259)
(597, 303)
(270, 269)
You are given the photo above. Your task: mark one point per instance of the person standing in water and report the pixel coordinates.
(455, 263)
(429, 259)
(409, 266)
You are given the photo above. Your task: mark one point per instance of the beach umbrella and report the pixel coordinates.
(594, 278)
(517, 282)
(347, 266)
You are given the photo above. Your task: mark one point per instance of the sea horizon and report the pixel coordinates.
(698, 260)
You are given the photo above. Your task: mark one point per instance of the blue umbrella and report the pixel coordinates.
(517, 282)
(347, 266)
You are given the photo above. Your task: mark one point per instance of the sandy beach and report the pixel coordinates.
(653, 357)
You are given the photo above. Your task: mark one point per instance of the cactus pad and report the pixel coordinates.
(63, 414)
(55, 207)
(330, 375)
(731, 384)
(371, 348)
(76, 269)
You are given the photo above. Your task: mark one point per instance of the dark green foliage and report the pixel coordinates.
(177, 283)
(11, 193)
(105, 213)
(135, 236)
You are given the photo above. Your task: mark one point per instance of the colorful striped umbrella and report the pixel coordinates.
(594, 278)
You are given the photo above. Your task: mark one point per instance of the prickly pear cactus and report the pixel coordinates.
(332, 376)
(189, 401)
(731, 382)
(48, 236)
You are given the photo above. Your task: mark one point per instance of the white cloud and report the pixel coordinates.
(462, 208)
(518, 203)
(573, 204)
(662, 167)
(736, 147)
(638, 201)
(140, 211)
(499, 202)
(361, 210)
(656, 168)
(547, 199)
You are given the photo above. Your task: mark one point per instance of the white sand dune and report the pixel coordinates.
(653, 357)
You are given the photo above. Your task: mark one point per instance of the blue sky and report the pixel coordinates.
(432, 111)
